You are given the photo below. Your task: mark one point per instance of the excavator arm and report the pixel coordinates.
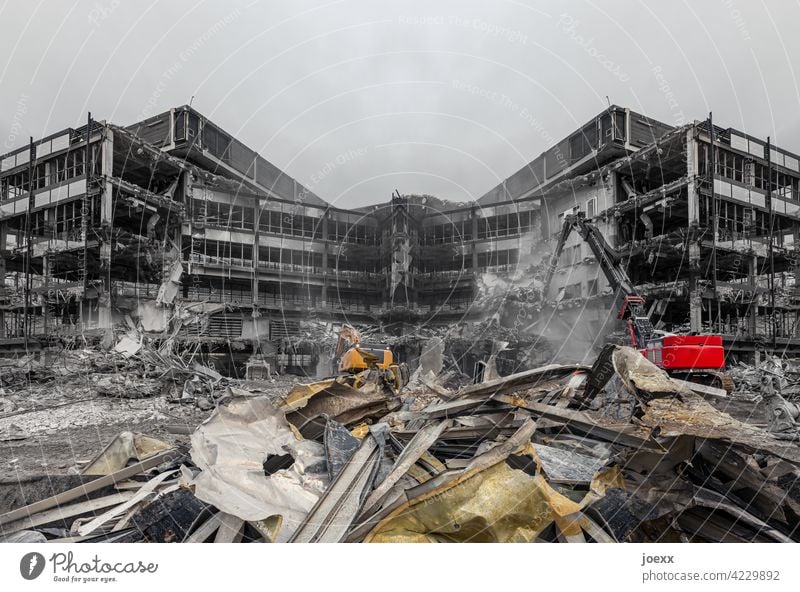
(607, 257)
(566, 230)
(632, 310)
(348, 337)
(700, 357)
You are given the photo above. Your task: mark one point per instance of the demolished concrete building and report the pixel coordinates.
(174, 226)
(711, 248)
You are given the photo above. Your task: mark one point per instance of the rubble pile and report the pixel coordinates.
(510, 300)
(615, 452)
(750, 380)
(135, 382)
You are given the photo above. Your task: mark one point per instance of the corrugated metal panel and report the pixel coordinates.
(224, 326)
(155, 130)
(556, 159)
(740, 193)
(643, 132)
(242, 159)
(739, 143)
(793, 209)
(525, 179)
(62, 192)
(756, 148)
(582, 143)
(283, 328)
(722, 188)
(54, 145)
(10, 208)
(15, 160)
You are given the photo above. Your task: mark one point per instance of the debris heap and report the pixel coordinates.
(616, 452)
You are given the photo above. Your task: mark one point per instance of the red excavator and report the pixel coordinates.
(700, 358)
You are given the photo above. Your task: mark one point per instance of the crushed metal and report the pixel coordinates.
(555, 453)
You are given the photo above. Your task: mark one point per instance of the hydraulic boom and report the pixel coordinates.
(680, 354)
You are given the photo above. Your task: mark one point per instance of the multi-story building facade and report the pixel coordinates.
(172, 223)
(175, 211)
(705, 219)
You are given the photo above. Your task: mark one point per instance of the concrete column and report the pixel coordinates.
(695, 295)
(795, 252)
(45, 295)
(104, 301)
(609, 190)
(3, 332)
(50, 219)
(256, 241)
(3, 239)
(186, 227)
(106, 220)
(325, 242)
(474, 218)
(752, 311)
(107, 171)
(324, 296)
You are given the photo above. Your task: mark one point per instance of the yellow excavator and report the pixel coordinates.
(352, 357)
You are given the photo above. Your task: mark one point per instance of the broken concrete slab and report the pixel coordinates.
(562, 466)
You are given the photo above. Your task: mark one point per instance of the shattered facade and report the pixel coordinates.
(711, 248)
(174, 219)
(174, 227)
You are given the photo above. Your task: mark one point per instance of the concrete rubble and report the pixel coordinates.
(611, 451)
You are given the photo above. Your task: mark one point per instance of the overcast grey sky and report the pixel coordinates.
(357, 97)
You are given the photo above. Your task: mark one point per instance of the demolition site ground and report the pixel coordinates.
(143, 444)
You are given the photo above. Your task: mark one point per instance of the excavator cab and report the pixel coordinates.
(639, 326)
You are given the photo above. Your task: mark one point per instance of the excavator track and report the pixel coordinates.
(716, 378)
(723, 380)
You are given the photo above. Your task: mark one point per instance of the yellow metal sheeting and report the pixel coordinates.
(124, 447)
(360, 431)
(298, 397)
(268, 527)
(498, 504)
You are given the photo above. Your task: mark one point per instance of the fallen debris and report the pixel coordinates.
(615, 452)
(231, 450)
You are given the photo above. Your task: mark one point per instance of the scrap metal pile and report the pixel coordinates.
(616, 452)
